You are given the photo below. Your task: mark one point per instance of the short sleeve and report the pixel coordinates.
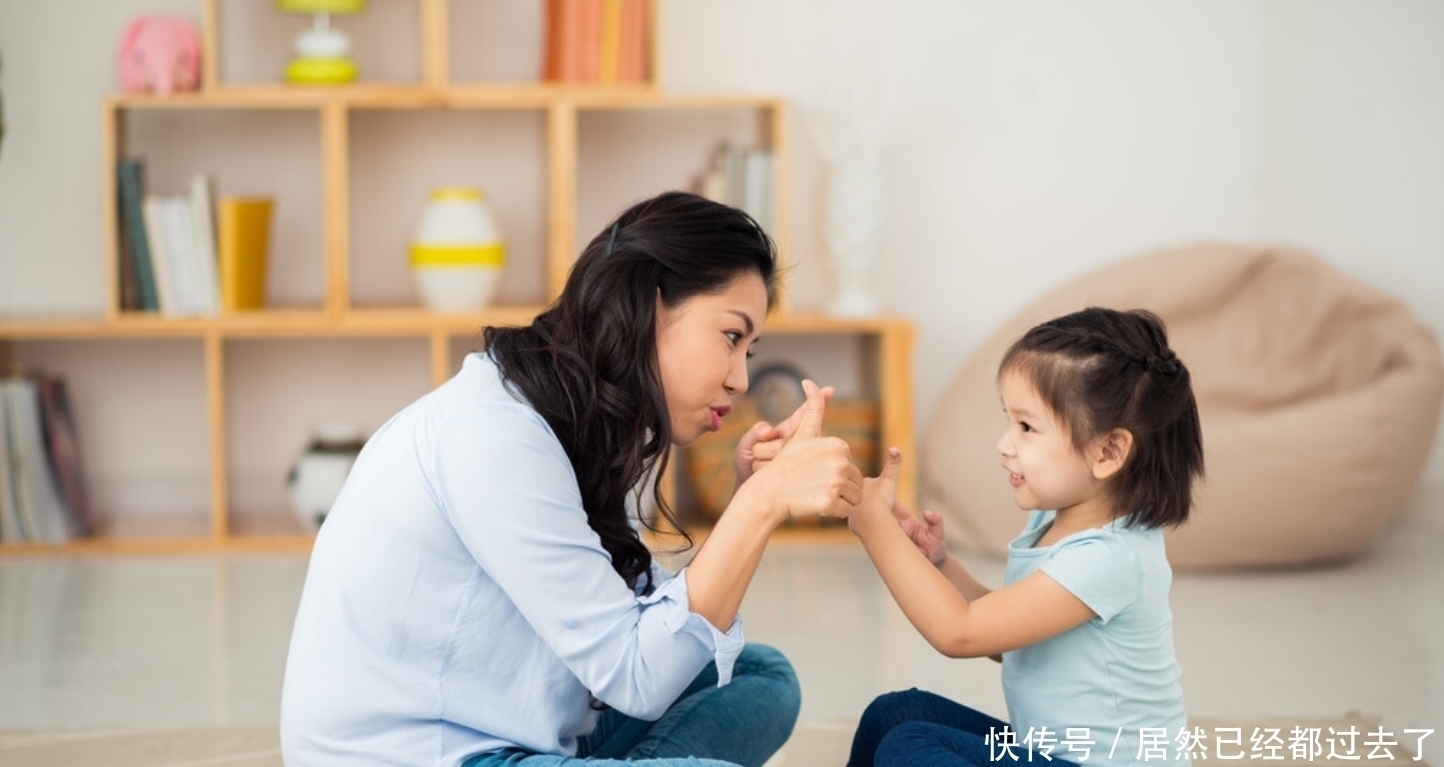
(1102, 570)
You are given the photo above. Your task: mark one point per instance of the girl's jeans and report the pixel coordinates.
(743, 723)
(919, 729)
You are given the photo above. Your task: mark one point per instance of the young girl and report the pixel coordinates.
(479, 593)
(1102, 447)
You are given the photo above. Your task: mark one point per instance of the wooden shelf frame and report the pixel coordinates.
(890, 340)
(891, 363)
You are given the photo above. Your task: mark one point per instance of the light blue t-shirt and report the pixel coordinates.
(457, 600)
(1113, 680)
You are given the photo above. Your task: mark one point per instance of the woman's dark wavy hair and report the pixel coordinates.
(588, 364)
(1103, 369)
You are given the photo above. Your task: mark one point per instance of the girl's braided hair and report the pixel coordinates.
(1104, 369)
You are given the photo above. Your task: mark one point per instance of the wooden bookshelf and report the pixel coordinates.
(335, 315)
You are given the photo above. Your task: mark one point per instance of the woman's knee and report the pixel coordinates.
(767, 666)
(766, 660)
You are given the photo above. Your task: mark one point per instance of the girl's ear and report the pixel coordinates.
(1111, 452)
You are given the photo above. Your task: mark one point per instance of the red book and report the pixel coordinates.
(590, 58)
(632, 68)
(551, 57)
(569, 20)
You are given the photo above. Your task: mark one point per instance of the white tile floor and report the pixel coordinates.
(181, 641)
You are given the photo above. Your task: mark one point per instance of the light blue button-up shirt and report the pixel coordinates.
(457, 600)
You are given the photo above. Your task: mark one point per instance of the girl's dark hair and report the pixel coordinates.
(1103, 369)
(588, 363)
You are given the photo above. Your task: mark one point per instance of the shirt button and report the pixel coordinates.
(571, 624)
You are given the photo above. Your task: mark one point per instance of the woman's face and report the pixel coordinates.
(702, 350)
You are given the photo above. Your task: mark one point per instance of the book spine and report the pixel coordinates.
(632, 67)
(131, 177)
(591, 42)
(62, 450)
(11, 528)
(569, 23)
(42, 513)
(610, 50)
(551, 58)
(180, 247)
(203, 236)
(153, 211)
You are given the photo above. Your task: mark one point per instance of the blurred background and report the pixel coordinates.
(1023, 143)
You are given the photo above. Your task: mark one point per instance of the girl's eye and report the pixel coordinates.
(1026, 426)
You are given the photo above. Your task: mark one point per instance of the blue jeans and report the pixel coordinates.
(743, 723)
(919, 729)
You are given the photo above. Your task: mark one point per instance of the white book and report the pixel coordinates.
(178, 241)
(43, 516)
(10, 528)
(203, 235)
(166, 287)
(180, 246)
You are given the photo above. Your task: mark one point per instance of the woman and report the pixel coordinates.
(479, 594)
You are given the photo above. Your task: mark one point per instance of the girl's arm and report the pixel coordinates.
(811, 475)
(1023, 613)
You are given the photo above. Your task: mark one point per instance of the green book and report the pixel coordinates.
(130, 174)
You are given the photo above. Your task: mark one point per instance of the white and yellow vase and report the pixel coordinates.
(457, 253)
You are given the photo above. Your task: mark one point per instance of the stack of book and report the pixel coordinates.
(182, 255)
(596, 41)
(743, 178)
(42, 490)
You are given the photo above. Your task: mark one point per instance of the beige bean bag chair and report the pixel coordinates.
(1319, 398)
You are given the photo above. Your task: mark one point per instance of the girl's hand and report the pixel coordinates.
(764, 441)
(758, 446)
(925, 533)
(810, 475)
(879, 496)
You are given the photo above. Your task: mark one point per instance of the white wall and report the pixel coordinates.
(1031, 141)
(1039, 140)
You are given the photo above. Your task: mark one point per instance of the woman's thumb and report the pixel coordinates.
(811, 422)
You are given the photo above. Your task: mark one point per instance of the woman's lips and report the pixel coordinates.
(718, 413)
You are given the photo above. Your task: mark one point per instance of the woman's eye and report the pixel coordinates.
(734, 336)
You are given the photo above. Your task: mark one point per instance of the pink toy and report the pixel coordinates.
(159, 53)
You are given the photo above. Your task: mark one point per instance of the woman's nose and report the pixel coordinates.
(736, 382)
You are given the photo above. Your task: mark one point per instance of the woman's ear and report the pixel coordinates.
(1110, 453)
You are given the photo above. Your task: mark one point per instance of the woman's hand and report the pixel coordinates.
(763, 441)
(809, 474)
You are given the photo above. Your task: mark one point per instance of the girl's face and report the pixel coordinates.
(1043, 467)
(702, 350)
